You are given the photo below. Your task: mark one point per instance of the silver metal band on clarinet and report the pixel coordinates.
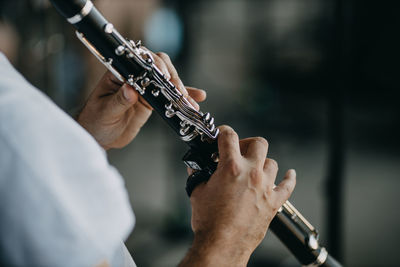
(83, 13)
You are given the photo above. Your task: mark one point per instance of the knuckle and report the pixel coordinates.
(227, 131)
(261, 140)
(286, 191)
(289, 189)
(119, 99)
(272, 164)
(233, 167)
(269, 189)
(162, 55)
(223, 128)
(256, 176)
(231, 133)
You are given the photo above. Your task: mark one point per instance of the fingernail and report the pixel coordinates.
(194, 103)
(183, 89)
(126, 93)
(167, 76)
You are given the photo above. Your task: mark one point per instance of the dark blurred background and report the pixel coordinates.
(318, 78)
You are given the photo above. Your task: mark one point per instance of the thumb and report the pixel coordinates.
(122, 100)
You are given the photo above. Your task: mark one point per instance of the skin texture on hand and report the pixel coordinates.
(232, 211)
(115, 112)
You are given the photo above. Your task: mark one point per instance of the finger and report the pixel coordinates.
(244, 145)
(228, 143)
(107, 85)
(198, 95)
(113, 79)
(189, 171)
(195, 95)
(176, 80)
(122, 100)
(271, 169)
(257, 150)
(285, 188)
(161, 65)
(193, 103)
(137, 119)
(174, 74)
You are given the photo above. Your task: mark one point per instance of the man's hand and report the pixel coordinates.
(232, 211)
(115, 112)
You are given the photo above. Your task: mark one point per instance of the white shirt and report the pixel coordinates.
(61, 203)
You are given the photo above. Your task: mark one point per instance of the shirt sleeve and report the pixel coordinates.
(61, 203)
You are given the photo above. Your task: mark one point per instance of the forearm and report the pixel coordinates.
(208, 251)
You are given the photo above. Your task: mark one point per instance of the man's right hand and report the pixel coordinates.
(232, 211)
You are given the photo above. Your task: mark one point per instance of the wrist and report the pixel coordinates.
(211, 250)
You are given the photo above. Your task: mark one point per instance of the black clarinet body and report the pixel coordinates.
(133, 64)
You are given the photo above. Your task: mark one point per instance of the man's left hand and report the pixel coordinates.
(115, 112)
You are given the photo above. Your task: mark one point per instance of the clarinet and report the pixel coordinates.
(133, 64)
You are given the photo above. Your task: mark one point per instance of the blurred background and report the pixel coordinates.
(318, 78)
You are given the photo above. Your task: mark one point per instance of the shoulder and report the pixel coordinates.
(57, 189)
(36, 128)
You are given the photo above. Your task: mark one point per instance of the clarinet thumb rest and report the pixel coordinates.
(203, 165)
